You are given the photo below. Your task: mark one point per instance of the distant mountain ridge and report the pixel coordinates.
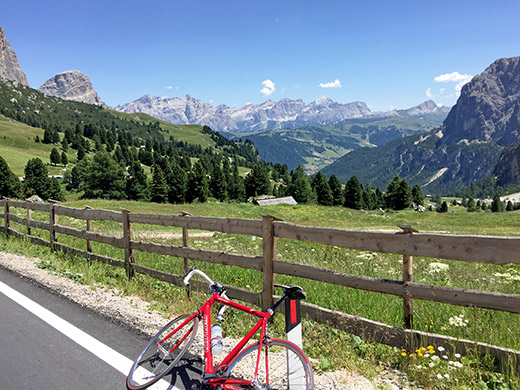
(270, 115)
(466, 148)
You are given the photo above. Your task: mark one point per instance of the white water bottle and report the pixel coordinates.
(216, 340)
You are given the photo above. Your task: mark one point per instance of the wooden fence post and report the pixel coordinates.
(269, 253)
(89, 229)
(407, 277)
(185, 242)
(52, 221)
(127, 236)
(6, 217)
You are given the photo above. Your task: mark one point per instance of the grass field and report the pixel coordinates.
(332, 348)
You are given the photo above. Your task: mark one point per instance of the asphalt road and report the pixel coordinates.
(49, 342)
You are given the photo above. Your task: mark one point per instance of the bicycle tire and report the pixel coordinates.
(289, 367)
(155, 361)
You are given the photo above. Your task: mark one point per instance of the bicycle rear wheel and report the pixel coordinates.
(282, 366)
(163, 352)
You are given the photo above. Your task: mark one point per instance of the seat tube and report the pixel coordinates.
(260, 345)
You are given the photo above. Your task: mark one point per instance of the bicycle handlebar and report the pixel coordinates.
(215, 287)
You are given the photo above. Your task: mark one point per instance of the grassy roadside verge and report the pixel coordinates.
(330, 348)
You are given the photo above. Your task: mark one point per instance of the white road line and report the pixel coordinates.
(113, 358)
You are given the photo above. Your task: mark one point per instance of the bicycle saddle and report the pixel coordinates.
(292, 292)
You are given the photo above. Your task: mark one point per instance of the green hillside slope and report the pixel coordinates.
(318, 146)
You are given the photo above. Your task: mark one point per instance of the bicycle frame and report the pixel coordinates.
(212, 376)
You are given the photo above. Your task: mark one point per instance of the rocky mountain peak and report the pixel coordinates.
(72, 85)
(488, 107)
(10, 68)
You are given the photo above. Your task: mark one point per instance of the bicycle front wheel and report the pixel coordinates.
(282, 366)
(163, 352)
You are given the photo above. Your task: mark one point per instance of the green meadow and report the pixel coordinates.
(330, 348)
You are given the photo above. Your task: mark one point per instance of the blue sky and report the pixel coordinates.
(389, 54)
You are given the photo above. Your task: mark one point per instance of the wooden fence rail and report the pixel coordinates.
(485, 249)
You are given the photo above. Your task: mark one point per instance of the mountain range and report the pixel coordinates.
(471, 144)
(269, 115)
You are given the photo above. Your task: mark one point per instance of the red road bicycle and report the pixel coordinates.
(268, 364)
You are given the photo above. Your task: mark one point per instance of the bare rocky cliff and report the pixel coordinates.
(10, 68)
(72, 85)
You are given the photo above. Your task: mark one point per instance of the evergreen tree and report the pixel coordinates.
(218, 184)
(322, 188)
(417, 195)
(337, 190)
(159, 188)
(472, 206)
(300, 187)
(36, 181)
(10, 186)
(197, 189)
(443, 208)
(78, 175)
(257, 182)
(509, 206)
(54, 189)
(497, 206)
(105, 178)
(354, 194)
(177, 181)
(81, 152)
(398, 194)
(370, 198)
(136, 183)
(236, 188)
(37, 139)
(55, 157)
(64, 159)
(64, 145)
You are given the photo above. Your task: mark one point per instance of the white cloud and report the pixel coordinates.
(269, 87)
(333, 84)
(453, 77)
(168, 87)
(429, 93)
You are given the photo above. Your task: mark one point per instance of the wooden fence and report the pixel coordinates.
(408, 243)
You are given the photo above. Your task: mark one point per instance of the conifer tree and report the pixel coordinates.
(136, 183)
(159, 188)
(36, 179)
(398, 194)
(257, 182)
(322, 188)
(300, 187)
(236, 188)
(218, 184)
(64, 159)
(497, 206)
(417, 195)
(105, 178)
(197, 189)
(354, 194)
(55, 156)
(177, 181)
(337, 190)
(9, 184)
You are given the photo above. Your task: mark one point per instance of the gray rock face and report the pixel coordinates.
(488, 107)
(285, 113)
(9, 66)
(72, 85)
